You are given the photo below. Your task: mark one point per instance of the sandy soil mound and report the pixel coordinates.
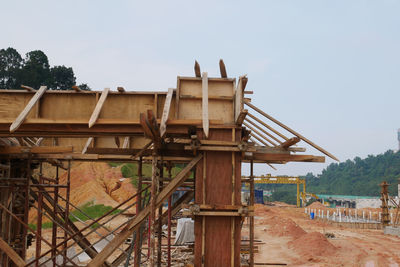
(313, 244)
(284, 227)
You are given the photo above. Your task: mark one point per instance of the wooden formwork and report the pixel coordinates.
(200, 124)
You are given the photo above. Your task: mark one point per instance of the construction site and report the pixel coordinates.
(63, 152)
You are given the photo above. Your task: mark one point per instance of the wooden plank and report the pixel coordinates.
(259, 134)
(76, 88)
(197, 72)
(22, 116)
(35, 150)
(287, 157)
(290, 142)
(99, 105)
(241, 117)
(134, 224)
(88, 142)
(11, 253)
(291, 131)
(127, 141)
(210, 97)
(266, 125)
(205, 104)
(263, 130)
(222, 69)
(165, 115)
(28, 88)
(239, 98)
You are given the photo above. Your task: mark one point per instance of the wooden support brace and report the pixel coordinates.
(197, 72)
(22, 116)
(288, 157)
(28, 88)
(165, 115)
(290, 142)
(291, 131)
(88, 142)
(126, 143)
(205, 104)
(146, 129)
(76, 88)
(241, 117)
(97, 109)
(11, 253)
(222, 69)
(35, 149)
(134, 224)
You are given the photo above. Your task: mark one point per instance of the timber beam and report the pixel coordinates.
(273, 158)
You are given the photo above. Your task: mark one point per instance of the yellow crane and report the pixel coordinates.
(268, 179)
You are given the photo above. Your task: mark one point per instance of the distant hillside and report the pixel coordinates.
(359, 176)
(353, 177)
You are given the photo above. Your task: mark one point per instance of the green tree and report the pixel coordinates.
(61, 78)
(84, 87)
(10, 68)
(36, 70)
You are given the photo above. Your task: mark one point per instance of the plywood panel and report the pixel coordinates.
(217, 110)
(215, 88)
(123, 106)
(160, 107)
(67, 106)
(190, 108)
(12, 104)
(221, 110)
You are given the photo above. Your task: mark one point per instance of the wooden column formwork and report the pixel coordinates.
(218, 182)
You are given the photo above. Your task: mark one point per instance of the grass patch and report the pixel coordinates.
(93, 211)
(130, 170)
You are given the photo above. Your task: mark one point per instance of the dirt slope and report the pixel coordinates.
(93, 182)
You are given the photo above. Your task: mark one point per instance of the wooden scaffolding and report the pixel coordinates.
(203, 124)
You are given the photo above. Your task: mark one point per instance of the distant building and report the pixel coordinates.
(398, 137)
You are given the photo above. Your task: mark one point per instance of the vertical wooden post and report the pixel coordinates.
(159, 230)
(154, 182)
(66, 214)
(251, 217)
(233, 203)
(138, 209)
(169, 218)
(39, 216)
(55, 211)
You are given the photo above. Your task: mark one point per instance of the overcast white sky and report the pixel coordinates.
(328, 69)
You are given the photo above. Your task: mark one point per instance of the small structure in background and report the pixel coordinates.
(385, 207)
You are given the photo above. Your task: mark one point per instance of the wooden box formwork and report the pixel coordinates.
(218, 183)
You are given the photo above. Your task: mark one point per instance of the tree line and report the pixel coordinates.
(357, 177)
(34, 70)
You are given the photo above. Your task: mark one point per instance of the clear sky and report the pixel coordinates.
(328, 69)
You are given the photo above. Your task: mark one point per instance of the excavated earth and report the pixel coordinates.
(289, 236)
